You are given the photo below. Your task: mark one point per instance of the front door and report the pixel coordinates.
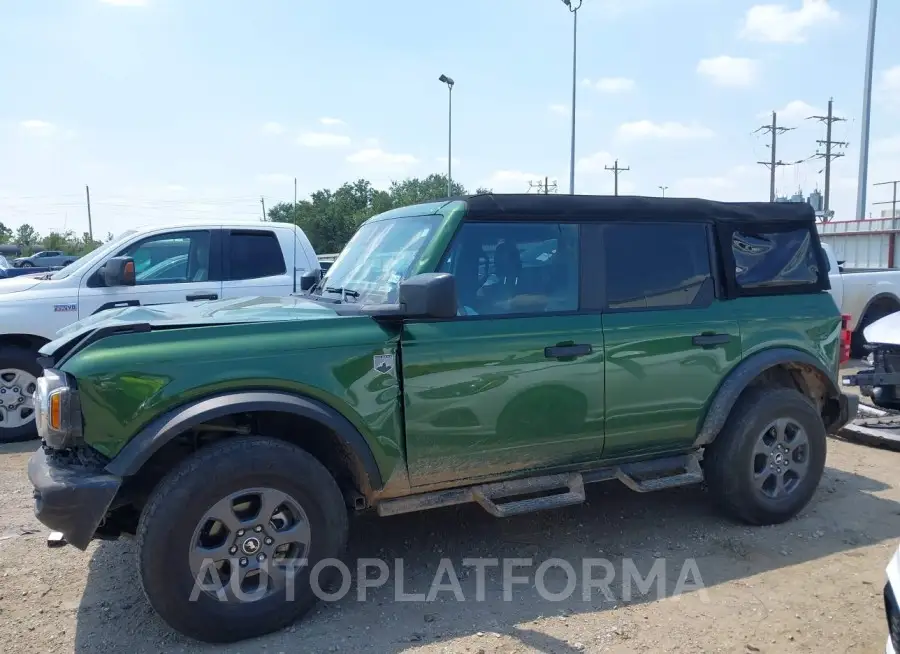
(180, 266)
(516, 380)
(669, 341)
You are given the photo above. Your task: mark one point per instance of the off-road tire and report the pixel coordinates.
(728, 461)
(21, 358)
(182, 497)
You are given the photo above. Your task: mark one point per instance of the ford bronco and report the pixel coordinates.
(504, 350)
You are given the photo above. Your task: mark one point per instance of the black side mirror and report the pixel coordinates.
(309, 279)
(119, 271)
(429, 295)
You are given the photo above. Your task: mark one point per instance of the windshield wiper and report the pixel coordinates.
(349, 292)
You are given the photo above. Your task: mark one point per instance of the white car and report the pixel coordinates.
(892, 604)
(178, 263)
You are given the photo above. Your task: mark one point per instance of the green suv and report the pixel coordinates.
(497, 349)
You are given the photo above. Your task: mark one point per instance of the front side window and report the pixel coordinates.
(171, 258)
(381, 254)
(774, 259)
(655, 265)
(507, 268)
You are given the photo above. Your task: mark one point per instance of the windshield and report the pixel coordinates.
(379, 256)
(87, 261)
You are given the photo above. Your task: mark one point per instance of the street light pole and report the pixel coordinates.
(862, 179)
(663, 189)
(449, 82)
(574, 6)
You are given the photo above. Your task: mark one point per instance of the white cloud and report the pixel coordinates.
(378, 157)
(510, 181)
(795, 110)
(125, 3)
(647, 129)
(611, 84)
(779, 23)
(331, 122)
(889, 85)
(443, 161)
(323, 140)
(729, 71)
(273, 128)
(275, 178)
(594, 163)
(38, 127)
(559, 109)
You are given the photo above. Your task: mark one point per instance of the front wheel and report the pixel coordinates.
(227, 541)
(26, 264)
(766, 463)
(19, 371)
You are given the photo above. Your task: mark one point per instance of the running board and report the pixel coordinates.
(642, 477)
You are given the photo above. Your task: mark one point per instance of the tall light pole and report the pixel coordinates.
(574, 6)
(663, 189)
(449, 82)
(862, 179)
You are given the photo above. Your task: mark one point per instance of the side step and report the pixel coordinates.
(642, 477)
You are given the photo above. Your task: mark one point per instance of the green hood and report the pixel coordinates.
(194, 314)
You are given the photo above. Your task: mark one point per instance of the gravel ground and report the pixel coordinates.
(811, 585)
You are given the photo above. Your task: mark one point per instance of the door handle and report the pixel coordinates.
(711, 340)
(202, 296)
(567, 350)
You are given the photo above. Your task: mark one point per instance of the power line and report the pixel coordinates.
(615, 170)
(892, 202)
(828, 155)
(774, 162)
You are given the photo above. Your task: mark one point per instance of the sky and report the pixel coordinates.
(183, 109)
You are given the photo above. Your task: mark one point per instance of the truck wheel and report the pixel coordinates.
(766, 463)
(19, 371)
(228, 539)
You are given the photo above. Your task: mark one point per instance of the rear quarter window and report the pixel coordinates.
(773, 259)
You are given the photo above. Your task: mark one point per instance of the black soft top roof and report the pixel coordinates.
(525, 206)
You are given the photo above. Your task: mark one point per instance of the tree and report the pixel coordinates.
(27, 237)
(5, 233)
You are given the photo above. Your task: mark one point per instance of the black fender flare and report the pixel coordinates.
(744, 373)
(881, 296)
(167, 426)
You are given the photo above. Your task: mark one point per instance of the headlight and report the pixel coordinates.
(57, 410)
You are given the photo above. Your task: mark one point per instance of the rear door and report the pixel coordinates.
(254, 264)
(176, 266)
(669, 339)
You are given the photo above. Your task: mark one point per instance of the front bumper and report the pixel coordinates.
(70, 498)
(849, 409)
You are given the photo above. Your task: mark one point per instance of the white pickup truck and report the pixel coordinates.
(182, 263)
(866, 295)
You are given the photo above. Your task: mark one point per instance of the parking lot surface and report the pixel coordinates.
(811, 585)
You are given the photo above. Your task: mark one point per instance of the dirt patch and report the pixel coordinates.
(811, 585)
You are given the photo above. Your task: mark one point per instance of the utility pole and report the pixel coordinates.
(262, 201)
(863, 175)
(893, 202)
(615, 171)
(828, 155)
(87, 192)
(543, 186)
(295, 191)
(774, 162)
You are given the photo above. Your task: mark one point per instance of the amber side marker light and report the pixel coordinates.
(55, 410)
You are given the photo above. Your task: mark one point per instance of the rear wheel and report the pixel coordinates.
(765, 465)
(19, 371)
(227, 540)
(26, 264)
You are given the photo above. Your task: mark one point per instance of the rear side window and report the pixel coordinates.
(657, 265)
(255, 254)
(774, 259)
